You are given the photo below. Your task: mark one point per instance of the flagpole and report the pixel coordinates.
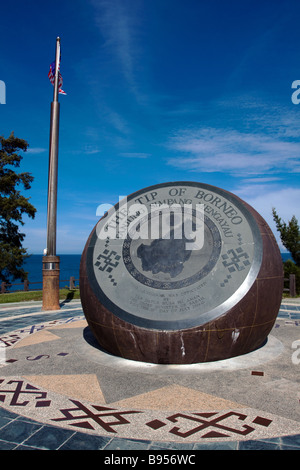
(51, 260)
(53, 162)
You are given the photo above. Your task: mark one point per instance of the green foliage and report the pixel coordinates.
(13, 205)
(289, 235)
(291, 268)
(65, 295)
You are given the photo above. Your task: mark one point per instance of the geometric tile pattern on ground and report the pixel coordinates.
(175, 397)
(82, 386)
(42, 378)
(34, 402)
(77, 324)
(40, 337)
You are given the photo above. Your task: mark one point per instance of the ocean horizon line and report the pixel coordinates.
(69, 267)
(79, 254)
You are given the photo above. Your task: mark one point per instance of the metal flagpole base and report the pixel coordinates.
(51, 283)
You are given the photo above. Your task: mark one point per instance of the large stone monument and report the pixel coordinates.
(181, 273)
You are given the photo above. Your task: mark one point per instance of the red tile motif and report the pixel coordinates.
(17, 391)
(19, 394)
(88, 416)
(22, 397)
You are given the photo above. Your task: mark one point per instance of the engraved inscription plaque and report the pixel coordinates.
(173, 265)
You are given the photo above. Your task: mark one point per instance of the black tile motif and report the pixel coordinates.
(88, 418)
(218, 421)
(107, 260)
(233, 260)
(21, 390)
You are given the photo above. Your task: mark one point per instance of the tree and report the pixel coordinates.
(291, 268)
(12, 207)
(289, 235)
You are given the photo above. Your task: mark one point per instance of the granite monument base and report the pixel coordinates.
(181, 273)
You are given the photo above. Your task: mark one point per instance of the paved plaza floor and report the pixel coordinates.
(60, 391)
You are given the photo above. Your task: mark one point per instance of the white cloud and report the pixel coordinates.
(70, 239)
(37, 150)
(118, 22)
(259, 180)
(135, 155)
(86, 150)
(117, 121)
(35, 240)
(263, 198)
(234, 152)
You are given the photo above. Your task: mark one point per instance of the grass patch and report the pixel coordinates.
(64, 294)
(285, 295)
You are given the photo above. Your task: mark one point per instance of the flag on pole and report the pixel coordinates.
(51, 76)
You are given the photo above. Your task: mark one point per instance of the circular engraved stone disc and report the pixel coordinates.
(172, 257)
(155, 275)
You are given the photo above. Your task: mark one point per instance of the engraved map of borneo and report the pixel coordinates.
(174, 255)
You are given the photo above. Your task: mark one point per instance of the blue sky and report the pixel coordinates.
(157, 91)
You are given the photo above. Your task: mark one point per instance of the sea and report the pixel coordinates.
(69, 266)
